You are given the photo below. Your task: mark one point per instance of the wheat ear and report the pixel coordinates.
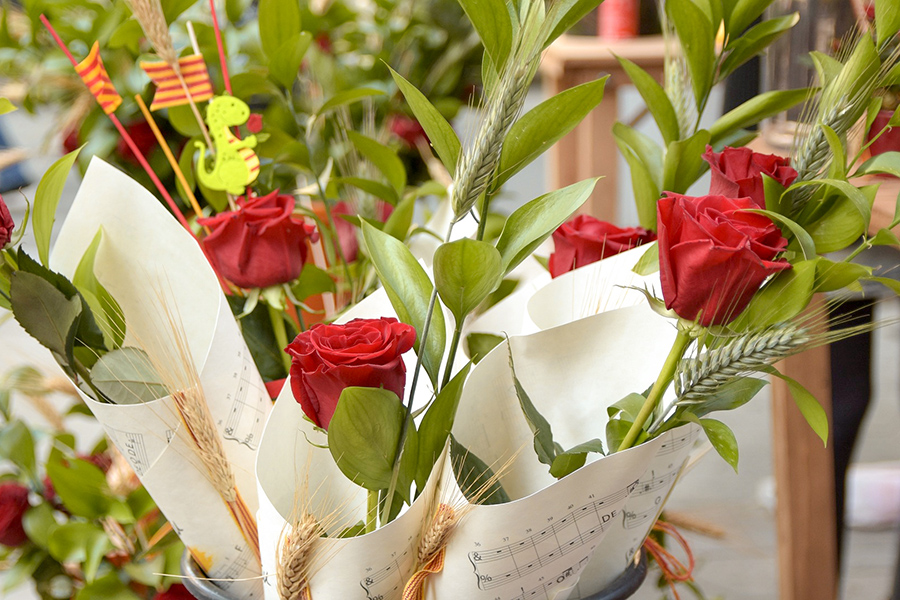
(438, 532)
(292, 568)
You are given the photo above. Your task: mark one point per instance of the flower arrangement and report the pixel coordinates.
(399, 458)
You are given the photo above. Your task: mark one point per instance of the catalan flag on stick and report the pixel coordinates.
(169, 91)
(93, 73)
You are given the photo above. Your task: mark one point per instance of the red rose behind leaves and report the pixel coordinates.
(260, 244)
(407, 129)
(6, 224)
(584, 240)
(737, 173)
(714, 255)
(176, 591)
(143, 138)
(346, 231)
(326, 359)
(13, 504)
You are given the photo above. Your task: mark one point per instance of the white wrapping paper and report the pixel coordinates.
(146, 259)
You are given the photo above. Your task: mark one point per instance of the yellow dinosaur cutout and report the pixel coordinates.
(235, 165)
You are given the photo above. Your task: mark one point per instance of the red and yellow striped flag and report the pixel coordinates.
(94, 75)
(168, 89)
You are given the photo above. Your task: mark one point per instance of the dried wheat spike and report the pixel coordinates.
(292, 567)
(150, 15)
(435, 538)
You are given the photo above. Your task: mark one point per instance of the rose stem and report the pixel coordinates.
(277, 318)
(372, 511)
(451, 356)
(656, 392)
(170, 157)
(404, 430)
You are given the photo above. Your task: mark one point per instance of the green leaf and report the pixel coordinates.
(616, 430)
(697, 35)
(476, 480)
(574, 458)
(744, 13)
(729, 396)
(655, 98)
(126, 376)
(755, 110)
(827, 67)
(649, 262)
(6, 106)
(108, 313)
(384, 159)
(45, 313)
(374, 188)
(544, 125)
(46, 199)
(279, 21)
(783, 297)
(107, 587)
(544, 446)
(754, 42)
(440, 133)
(173, 8)
(17, 446)
(803, 238)
(81, 486)
(492, 22)
(363, 436)
(831, 276)
(684, 162)
(532, 223)
(80, 543)
(398, 224)
(629, 407)
(722, 439)
(409, 289)
(885, 237)
(346, 97)
(437, 424)
(887, 20)
(480, 344)
(23, 569)
(644, 160)
(810, 408)
(39, 524)
(465, 272)
(887, 163)
(564, 14)
(845, 219)
(312, 281)
(284, 65)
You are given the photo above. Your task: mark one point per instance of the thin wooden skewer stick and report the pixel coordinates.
(171, 158)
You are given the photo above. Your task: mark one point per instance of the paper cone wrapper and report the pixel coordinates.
(146, 259)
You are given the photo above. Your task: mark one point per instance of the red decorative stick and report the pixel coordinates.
(125, 136)
(220, 46)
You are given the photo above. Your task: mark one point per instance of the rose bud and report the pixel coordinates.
(713, 255)
(13, 504)
(176, 591)
(737, 173)
(6, 224)
(346, 231)
(407, 129)
(584, 240)
(326, 359)
(255, 123)
(260, 244)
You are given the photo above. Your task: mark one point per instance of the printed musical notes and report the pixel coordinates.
(247, 415)
(387, 582)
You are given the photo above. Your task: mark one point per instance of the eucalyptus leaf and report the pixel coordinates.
(440, 133)
(126, 376)
(532, 223)
(284, 65)
(279, 21)
(46, 199)
(465, 272)
(544, 125)
(437, 424)
(409, 289)
(363, 436)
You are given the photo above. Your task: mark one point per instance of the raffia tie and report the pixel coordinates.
(415, 587)
(673, 570)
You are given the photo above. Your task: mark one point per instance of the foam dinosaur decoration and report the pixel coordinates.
(235, 165)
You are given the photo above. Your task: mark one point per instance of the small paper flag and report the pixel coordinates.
(168, 89)
(94, 75)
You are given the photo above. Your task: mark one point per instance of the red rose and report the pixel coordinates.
(585, 240)
(143, 138)
(176, 591)
(325, 359)
(13, 504)
(6, 224)
(260, 244)
(346, 231)
(407, 129)
(714, 255)
(255, 123)
(737, 173)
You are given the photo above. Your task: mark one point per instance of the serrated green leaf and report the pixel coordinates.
(46, 199)
(532, 223)
(45, 313)
(440, 133)
(409, 289)
(544, 125)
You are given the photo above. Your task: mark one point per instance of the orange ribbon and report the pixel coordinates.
(415, 587)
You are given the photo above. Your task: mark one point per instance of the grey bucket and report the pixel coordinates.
(623, 587)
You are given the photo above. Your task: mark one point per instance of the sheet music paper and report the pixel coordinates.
(146, 259)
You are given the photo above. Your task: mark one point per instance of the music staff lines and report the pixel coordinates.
(543, 590)
(676, 443)
(374, 584)
(651, 484)
(567, 534)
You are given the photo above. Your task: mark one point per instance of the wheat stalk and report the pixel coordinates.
(697, 378)
(149, 14)
(292, 568)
